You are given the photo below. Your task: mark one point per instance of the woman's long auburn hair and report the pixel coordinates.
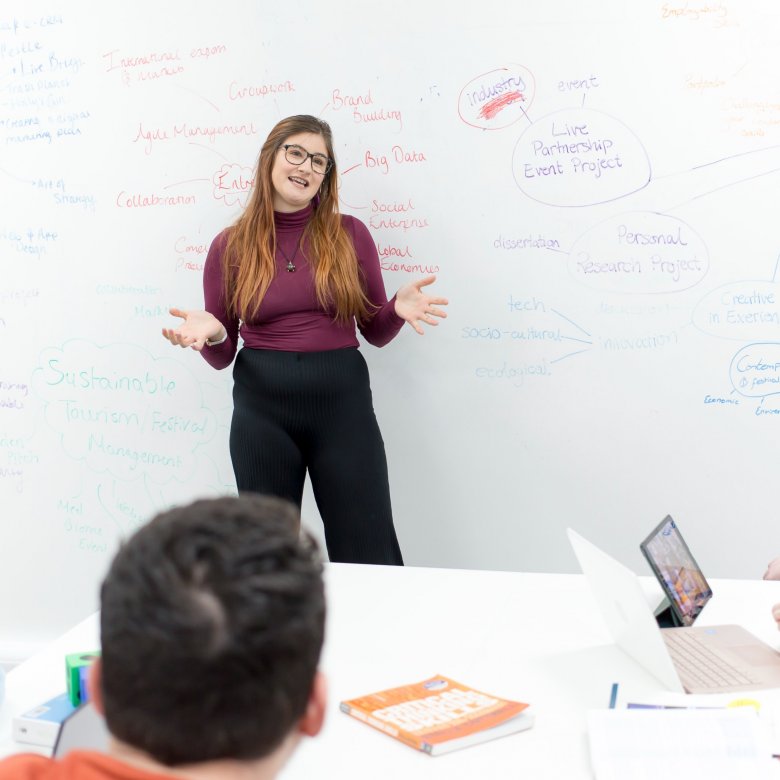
(248, 262)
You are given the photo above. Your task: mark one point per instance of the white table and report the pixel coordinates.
(533, 637)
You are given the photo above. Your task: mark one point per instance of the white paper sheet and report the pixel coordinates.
(653, 744)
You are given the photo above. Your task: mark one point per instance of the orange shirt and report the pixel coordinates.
(77, 765)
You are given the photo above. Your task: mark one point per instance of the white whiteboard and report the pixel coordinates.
(596, 187)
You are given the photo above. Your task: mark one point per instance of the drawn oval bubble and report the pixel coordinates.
(639, 252)
(579, 157)
(498, 98)
(747, 310)
(755, 370)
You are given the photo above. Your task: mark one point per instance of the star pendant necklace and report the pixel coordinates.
(291, 267)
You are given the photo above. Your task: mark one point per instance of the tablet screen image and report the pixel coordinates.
(677, 571)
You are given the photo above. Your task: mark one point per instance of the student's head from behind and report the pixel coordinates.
(212, 621)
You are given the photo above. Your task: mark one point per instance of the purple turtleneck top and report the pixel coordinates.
(289, 318)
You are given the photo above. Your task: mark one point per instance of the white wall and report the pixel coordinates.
(584, 377)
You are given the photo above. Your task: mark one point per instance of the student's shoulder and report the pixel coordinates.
(81, 764)
(28, 766)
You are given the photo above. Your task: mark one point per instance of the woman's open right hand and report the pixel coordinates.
(197, 327)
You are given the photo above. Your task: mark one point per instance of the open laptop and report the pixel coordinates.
(83, 729)
(711, 659)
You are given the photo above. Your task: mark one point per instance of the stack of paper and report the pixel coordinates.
(648, 744)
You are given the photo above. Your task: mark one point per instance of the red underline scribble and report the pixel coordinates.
(493, 107)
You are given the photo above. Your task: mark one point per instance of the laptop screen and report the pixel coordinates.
(677, 571)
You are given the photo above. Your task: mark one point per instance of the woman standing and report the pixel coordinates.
(293, 277)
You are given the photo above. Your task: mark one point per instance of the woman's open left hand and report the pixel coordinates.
(414, 306)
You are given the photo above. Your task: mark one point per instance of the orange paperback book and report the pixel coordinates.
(438, 715)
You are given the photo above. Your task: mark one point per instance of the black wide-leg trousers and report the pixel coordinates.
(299, 411)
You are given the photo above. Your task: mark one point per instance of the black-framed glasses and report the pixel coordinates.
(297, 155)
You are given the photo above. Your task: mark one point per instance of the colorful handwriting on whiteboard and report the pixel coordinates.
(498, 98)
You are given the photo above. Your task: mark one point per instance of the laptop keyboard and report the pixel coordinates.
(699, 665)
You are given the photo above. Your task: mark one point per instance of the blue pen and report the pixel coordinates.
(613, 696)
